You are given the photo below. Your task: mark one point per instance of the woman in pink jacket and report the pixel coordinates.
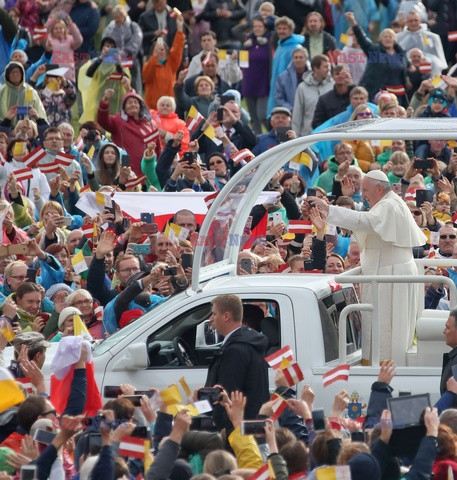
(65, 38)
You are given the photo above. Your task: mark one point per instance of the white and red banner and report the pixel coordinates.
(275, 359)
(398, 90)
(49, 168)
(210, 199)
(23, 174)
(338, 373)
(135, 181)
(303, 227)
(34, 157)
(132, 447)
(64, 159)
(293, 374)
(244, 154)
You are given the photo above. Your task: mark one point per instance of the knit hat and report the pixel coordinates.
(65, 313)
(363, 466)
(51, 291)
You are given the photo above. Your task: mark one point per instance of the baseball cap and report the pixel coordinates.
(284, 110)
(32, 340)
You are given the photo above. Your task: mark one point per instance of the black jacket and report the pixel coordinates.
(329, 43)
(148, 23)
(240, 365)
(329, 105)
(449, 360)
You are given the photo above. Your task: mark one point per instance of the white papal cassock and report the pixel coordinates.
(386, 235)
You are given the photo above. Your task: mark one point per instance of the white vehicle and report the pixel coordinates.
(304, 309)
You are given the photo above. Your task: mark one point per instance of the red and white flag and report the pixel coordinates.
(98, 312)
(23, 174)
(303, 227)
(49, 168)
(132, 447)
(85, 189)
(194, 118)
(275, 359)
(278, 407)
(398, 90)
(244, 154)
(410, 194)
(127, 62)
(263, 473)
(341, 372)
(174, 13)
(64, 159)
(207, 58)
(40, 32)
(425, 67)
(90, 230)
(135, 181)
(293, 374)
(210, 199)
(452, 36)
(116, 76)
(151, 138)
(27, 384)
(79, 144)
(34, 157)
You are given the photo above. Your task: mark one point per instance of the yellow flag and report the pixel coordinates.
(326, 473)
(184, 386)
(210, 132)
(271, 470)
(304, 159)
(192, 113)
(284, 363)
(91, 152)
(80, 329)
(451, 144)
(343, 39)
(436, 80)
(243, 57)
(19, 148)
(11, 393)
(222, 54)
(102, 199)
(79, 263)
(147, 456)
(29, 95)
(171, 395)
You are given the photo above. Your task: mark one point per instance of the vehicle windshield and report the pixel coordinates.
(116, 337)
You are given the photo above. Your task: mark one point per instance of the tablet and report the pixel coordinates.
(408, 411)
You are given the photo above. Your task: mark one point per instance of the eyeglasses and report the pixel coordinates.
(417, 212)
(18, 277)
(215, 163)
(364, 114)
(132, 269)
(452, 237)
(86, 301)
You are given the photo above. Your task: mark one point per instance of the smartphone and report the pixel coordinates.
(209, 393)
(281, 134)
(318, 420)
(311, 192)
(210, 174)
(149, 228)
(43, 436)
(189, 157)
(147, 217)
(148, 393)
(31, 275)
(135, 399)
(423, 164)
(170, 271)
(220, 114)
(45, 316)
(187, 260)
(246, 264)
(277, 218)
(140, 248)
(94, 442)
(111, 391)
(357, 437)
(253, 427)
(140, 432)
(22, 110)
(29, 472)
(66, 221)
(125, 160)
(308, 265)
(271, 238)
(423, 196)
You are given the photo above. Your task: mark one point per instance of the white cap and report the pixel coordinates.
(377, 175)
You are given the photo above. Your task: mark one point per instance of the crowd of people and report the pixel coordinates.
(100, 99)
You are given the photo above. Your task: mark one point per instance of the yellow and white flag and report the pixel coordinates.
(11, 393)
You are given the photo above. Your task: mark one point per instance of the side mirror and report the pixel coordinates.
(135, 357)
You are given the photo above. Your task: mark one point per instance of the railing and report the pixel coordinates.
(354, 276)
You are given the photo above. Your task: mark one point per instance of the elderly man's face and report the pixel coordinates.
(413, 22)
(280, 120)
(371, 191)
(447, 240)
(356, 178)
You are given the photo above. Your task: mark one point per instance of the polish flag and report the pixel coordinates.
(152, 137)
(23, 174)
(293, 374)
(275, 359)
(40, 32)
(135, 181)
(278, 407)
(425, 67)
(27, 384)
(398, 90)
(132, 447)
(263, 473)
(115, 76)
(64, 159)
(127, 62)
(49, 168)
(244, 154)
(303, 227)
(341, 372)
(79, 144)
(34, 157)
(452, 36)
(210, 199)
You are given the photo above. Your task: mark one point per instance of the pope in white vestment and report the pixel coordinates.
(386, 235)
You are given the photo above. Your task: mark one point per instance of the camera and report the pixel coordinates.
(91, 135)
(189, 157)
(170, 271)
(210, 394)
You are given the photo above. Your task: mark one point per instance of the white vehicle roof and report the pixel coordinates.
(228, 214)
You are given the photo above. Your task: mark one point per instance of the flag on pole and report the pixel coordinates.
(452, 36)
(210, 132)
(293, 374)
(98, 312)
(278, 406)
(132, 447)
(171, 395)
(127, 62)
(425, 67)
(337, 472)
(243, 58)
(34, 157)
(80, 329)
(173, 231)
(64, 159)
(210, 199)
(90, 230)
(79, 263)
(398, 90)
(303, 227)
(116, 76)
(174, 13)
(11, 393)
(275, 359)
(85, 189)
(151, 138)
(185, 386)
(134, 182)
(23, 174)
(27, 384)
(341, 372)
(194, 118)
(40, 32)
(207, 58)
(244, 154)
(79, 144)
(103, 200)
(49, 168)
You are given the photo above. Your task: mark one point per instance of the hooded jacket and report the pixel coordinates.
(325, 179)
(240, 365)
(16, 95)
(127, 132)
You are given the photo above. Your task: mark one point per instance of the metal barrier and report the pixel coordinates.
(354, 276)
